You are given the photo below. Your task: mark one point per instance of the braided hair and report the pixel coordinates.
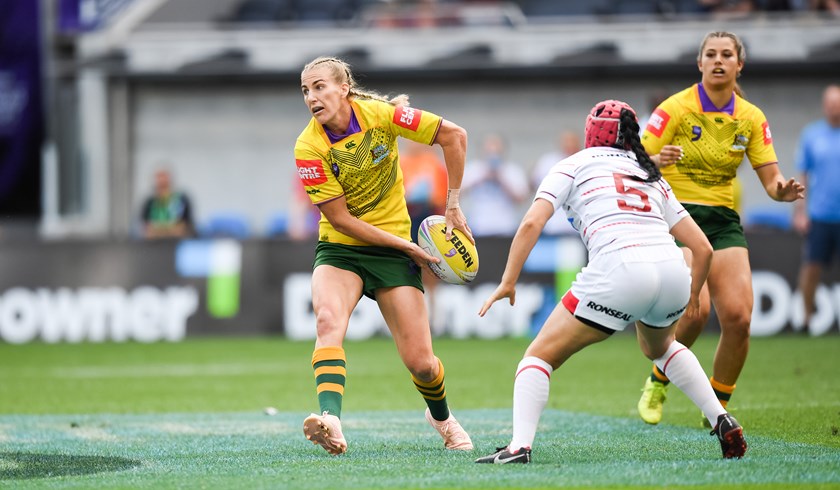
(628, 138)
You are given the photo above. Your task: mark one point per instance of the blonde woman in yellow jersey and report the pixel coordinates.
(348, 163)
(699, 137)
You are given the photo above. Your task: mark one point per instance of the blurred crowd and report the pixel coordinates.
(436, 13)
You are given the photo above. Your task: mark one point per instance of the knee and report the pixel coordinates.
(736, 325)
(327, 323)
(654, 352)
(424, 369)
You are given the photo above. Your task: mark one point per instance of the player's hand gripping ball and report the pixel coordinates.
(458, 257)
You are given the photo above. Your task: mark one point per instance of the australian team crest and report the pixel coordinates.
(378, 153)
(740, 143)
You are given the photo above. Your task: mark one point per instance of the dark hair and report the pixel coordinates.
(629, 138)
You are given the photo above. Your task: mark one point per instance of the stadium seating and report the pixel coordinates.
(226, 224)
(278, 225)
(264, 11)
(768, 217)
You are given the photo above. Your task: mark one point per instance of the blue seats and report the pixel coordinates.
(226, 224)
(771, 218)
(278, 225)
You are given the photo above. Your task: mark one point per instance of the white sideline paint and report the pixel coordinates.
(92, 434)
(161, 370)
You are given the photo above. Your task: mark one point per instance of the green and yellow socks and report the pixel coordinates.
(330, 367)
(658, 376)
(722, 391)
(434, 393)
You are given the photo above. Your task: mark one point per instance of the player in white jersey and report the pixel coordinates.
(628, 217)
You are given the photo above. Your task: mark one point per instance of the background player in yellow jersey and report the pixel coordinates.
(699, 137)
(348, 162)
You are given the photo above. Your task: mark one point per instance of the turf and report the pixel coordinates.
(190, 415)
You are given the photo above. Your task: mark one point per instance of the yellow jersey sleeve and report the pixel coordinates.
(760, 150)
(714, 142)
(363, 166)
(314, 171)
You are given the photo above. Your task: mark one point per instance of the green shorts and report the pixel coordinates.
(721, 225)
(379, 267)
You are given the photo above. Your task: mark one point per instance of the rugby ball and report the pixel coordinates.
(458, 257)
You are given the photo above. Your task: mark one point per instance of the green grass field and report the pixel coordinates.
(190, 415)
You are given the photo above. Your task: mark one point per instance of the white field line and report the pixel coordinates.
(750, 406)
(8, 465)
(92, 434)
(177, 428)
(204, 428)
(160, 370)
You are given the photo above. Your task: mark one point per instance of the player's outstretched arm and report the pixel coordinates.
(689, 233)
(777, 187)
(668, 155)
(523, 242)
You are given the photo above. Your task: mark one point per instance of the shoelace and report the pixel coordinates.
(456, 436)
(657, 395)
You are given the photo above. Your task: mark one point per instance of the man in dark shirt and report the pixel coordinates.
(167, 213)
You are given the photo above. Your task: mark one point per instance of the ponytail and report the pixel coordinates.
(343, 74)
(629, 138)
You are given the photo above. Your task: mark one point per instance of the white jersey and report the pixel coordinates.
(603, 193)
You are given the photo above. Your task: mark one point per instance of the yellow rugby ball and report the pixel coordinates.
(458, 257)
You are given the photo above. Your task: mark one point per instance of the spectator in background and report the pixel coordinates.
(167, 213)
(654, 98)
(303, 215)
(728, 7)
(426, 181)
(830, 6)
(494, 189)
(818, 216)
(418, 14)
(567, 143)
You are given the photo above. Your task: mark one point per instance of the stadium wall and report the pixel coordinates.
(230, 142)
(98, 291)
(220, 103)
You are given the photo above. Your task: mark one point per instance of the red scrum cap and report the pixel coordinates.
(603, 124)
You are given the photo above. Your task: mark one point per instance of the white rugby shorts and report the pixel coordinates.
(651, 284)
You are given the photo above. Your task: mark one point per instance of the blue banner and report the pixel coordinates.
(21, 109)
(87, 15)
